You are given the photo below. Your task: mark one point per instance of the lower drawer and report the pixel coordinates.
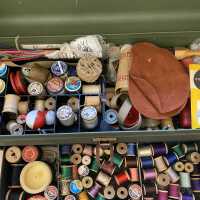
(103, 171)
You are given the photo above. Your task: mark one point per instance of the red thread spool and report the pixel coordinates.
(134, 174)
(122, 178)
(132, 118)
(185, 116)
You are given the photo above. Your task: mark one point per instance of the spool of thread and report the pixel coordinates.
(110, 116)
(3, 69)
(162, 195)
(178, 150)
(86, 160)
(70, 197)
(74, 103)
(149, 174)
(91, 89)
(131, 162)
(39, 105)
(15, 174)
(51, 192)
(195, 182)
(87, 182)
(64, 187)
(117, 160)
(30, 153)
(185, 180)
(50, 103)
(13, 154)
(190, 147)
(89, 117)
(65, 159)
(75, 172)
(36, 89)
(66, 171)
(159, 149)
(94, 166)
(77, 148)
(14, 128)
(23, 107)
(174, 191)
(101, 151)
(100, 197)
(160, 164)
(72, 84)
(50, 118)
(172, 175)
(55, 86)
(103, 179)
(11, 102)
(171, 158)
(59, 68)
(135, 191)
(109, 192)
(134, 175)
(150, 189)
(145, 151)
(66, 115)
(189, 168)
(76, 159)
(167, 124)
(194, 157)
(131, 149)
(121, 148)
(187, 196)
(179, 166)
(83, 196)
(93, 101)
(147, 162)
(122, 193)
(122, 178)
(108, 167)
(196, 171)
(163, 181)
(83, 170)
(94, 191)
(75, 186)
(88, 149)
(185, 116)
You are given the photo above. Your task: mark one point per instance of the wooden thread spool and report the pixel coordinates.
(163, 181)
(11, 103)
(185, 181)
(77, 148)
(87, 182)
(160, 164)
(13, 154)
(109, 192)
(23, 107)
(134, 175)
(122, 178)
(131, 161)
(93, 101)
(122, 193)
(88, 149)
(91, 89)
(50, 103)
(74, 103)
(121, 148)
(101, 151)
(39, 105)
(76, 159)
(86, 160)
(145, 151)
(108, 167)
(194, 157)
(189, 167)
(179, 166)
(172, 175)
(103, 179)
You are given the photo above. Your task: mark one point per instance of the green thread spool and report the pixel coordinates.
(65, 159)
(66, 171)
(190, 147)
(117, 160)
(100, 197)
(179, 150)
(94, 166)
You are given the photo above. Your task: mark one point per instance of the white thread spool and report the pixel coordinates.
(66, 115)
(91, 89)
(172, 175)
(185, 180)
(14, 128)
(36, 89)
(103, 179)
(11, 103)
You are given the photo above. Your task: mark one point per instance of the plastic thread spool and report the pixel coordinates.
(36, 89)
(160, 164)
(66, 115)
(108, 167)
(39, 105)
(109, 192)
(110, 116)
(55, 86)
(172, 175)
(74, 103)
(149, 174)
(171, 158)
(149, 189)
(135, 191)
(11, 103)
(14, 128)
(122, 193)
(163, 181)
(77, 148)
(50, 117)
(91, 89)
(88, 150)
(74, 172)
(147, 162)
(145, 151)
(131, 149)
(131, 162)
(103, 178)
(121, 148)
(50, 103)
(179, 166)
(94, 166)
(174, 191)
(15, 174)
(83, 196)
(189, 167)
(94, 191)
(117, 160)
(87, 182)
(30, 153)
(122, 177)
(185, 180)
(134, 176)
(76, 159)
(159, 149)
(23, 107)
(195, 184)
(64, 187)
(190, 147)
(83, 170)
(86, 160)
(178, 150)
(194, 157)
(162, 195)
(13, 154)
(75, 186)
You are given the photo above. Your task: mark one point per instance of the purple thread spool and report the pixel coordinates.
(159, 149)
(162, 195)
(174, 191)
(187, 196)
(93, 192)
(195, 184)
(149, 174)
(171, 158)
(65, 149)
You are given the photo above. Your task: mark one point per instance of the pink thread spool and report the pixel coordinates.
(174, 191)
(162, 195)
(149, 174)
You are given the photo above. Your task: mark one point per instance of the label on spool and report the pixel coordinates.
(135, 191)
(35, 88)
(88, 113)
(51, 192)
(55, 86)
(70, 197)
(73, 84)
(64, 113)
(83, 170)
(111, 116)
(59, 68)
(30, 153)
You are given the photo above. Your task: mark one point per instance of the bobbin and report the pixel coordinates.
(86, 160)
(66, 171)
(83, 196)
(122, 193)
(134, 175)
(109, 192)
(88, 150)
(108, 167)
(189, 167)
(30, 153)
(174, 191)
(39, 105)
(94, 101)
(121, 148)
(194, 157)
(87, 182)
(135, 191)
(55, 86)
(93, 192)
(185, 180)
(145, 151)
(64, 187)
(75, 186)
(179, 166)
(59, 68)
(77, 148)
(51, 192)
(172, 175)
(110, 116)
(163, 181)
(122, 177)
(167, 124)
(50, 103)
(83, 170)
(76, 159)
(73, 84)
(160, 164)
(13, 154)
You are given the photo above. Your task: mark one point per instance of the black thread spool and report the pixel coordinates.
(150, 189)
(15, 174)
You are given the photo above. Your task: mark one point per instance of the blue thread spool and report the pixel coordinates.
(132, 149)
(76, 186)
(65, 149)
(111, 116)
(3, 70)
(187, 196)
(159, 149)
(171, 158)
(147, 162)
